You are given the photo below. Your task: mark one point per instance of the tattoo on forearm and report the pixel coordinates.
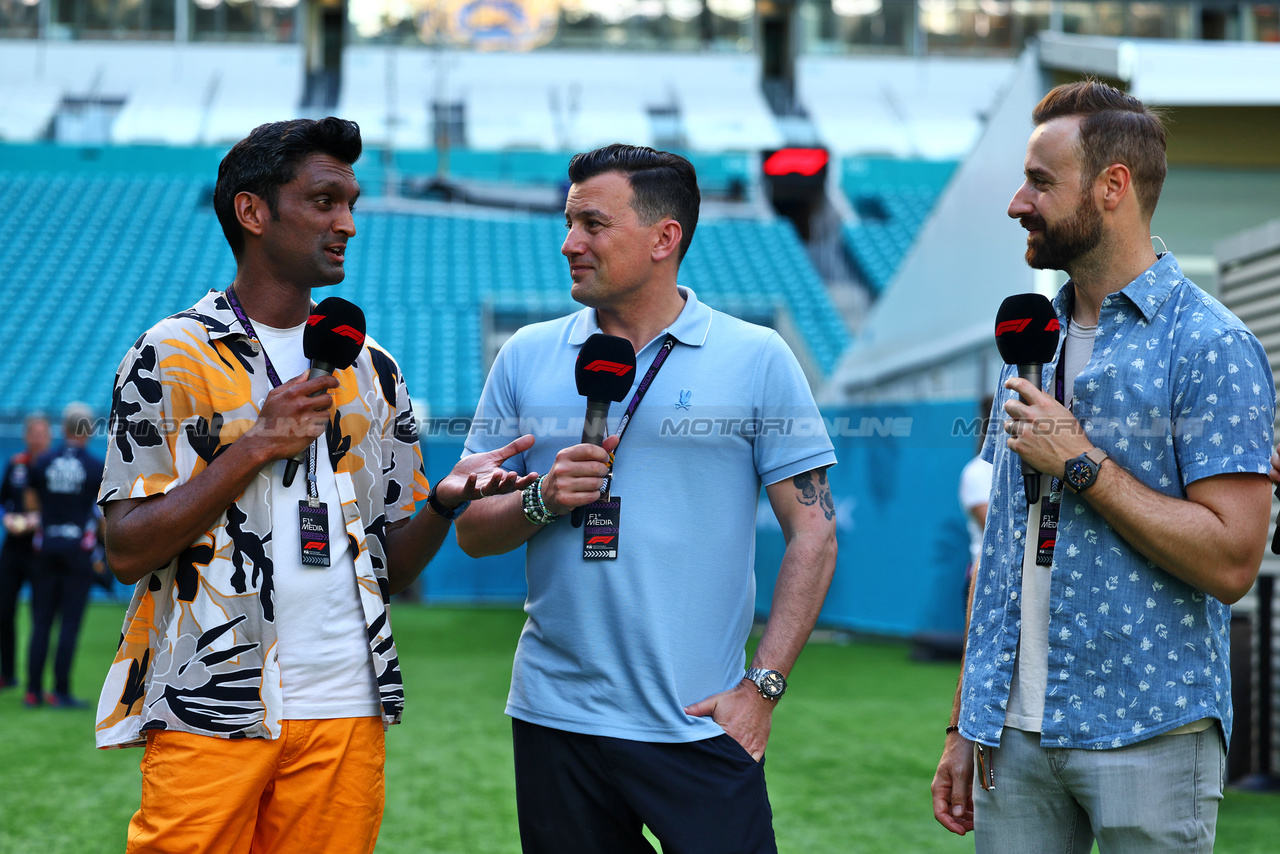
(810, 493)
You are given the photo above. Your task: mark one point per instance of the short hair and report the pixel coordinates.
(1117, 128)
(77, 420)
(662, 184)
(268, 158)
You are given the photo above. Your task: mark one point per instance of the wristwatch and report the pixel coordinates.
(771, 683)
(442, 511)
(1082, 471)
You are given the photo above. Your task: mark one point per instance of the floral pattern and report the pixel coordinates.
(197, 652)
(1177, 390)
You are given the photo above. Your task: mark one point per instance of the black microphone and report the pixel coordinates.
(604, 371)
(1027, 332)
(332, 340)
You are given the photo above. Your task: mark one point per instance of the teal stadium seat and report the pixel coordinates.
(892, 199)
(101, 255)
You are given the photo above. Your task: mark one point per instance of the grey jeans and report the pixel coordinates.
(1159, 796)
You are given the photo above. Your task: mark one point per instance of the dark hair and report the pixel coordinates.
(268, 158)
(662, 184)
(1117, 128)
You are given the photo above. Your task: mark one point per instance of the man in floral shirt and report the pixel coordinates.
(257, 660)
(1095, 697)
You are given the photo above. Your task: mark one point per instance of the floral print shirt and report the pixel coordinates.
(198, 648)
(1177, 389)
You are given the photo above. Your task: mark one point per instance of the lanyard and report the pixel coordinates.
(313, 491)
(658, 361)
(1060, 375)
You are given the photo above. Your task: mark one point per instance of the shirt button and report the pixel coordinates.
(1017, 535)
(1013, 594)
(255, 347)
(1006, 656)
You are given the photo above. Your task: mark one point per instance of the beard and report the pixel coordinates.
(1064, 242)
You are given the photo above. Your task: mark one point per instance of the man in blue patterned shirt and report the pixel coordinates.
(1095, 697)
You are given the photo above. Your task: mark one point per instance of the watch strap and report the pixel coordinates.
(442, 511)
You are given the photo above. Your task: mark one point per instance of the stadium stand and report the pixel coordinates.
(115, 245)
(892, 198)
(932, 108)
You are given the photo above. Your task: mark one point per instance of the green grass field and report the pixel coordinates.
(854, 747)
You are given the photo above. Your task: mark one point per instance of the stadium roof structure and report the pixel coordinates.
(929, 336)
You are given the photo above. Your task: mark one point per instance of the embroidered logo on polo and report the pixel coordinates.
(685, 396)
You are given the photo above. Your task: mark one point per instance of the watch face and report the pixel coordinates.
(772, 684)
(1079, 473)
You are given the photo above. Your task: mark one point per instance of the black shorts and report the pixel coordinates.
(590, 794)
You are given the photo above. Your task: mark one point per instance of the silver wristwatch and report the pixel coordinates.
(771, 683)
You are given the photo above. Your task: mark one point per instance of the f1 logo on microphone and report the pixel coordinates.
(351, 332)
(600, 540)
(1019, 324)
(607, 367)
(1015, 325)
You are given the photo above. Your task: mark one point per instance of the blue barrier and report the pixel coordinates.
(903, 542)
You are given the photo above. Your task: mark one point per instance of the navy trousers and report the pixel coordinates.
(60, 588)
(592, 795)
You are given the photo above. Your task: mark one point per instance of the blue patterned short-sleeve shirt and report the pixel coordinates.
(1177, 389)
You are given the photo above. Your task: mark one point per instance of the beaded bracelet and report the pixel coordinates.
(535, 510)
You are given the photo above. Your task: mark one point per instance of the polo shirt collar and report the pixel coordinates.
(690, 327)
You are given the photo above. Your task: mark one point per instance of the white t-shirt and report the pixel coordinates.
(1031, 667)
(975, 490)
(326, 670)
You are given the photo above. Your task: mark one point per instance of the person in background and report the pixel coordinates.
(64, 483)
(18, 556)
(975, 493)
(1095, 693)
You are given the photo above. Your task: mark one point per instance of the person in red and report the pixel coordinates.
(18, 557)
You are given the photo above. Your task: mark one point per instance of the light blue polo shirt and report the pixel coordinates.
(619, 647)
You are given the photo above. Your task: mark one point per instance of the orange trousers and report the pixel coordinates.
(318, 788)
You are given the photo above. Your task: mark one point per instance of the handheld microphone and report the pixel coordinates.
(1027, 332)
(332, 340)
(605, 368)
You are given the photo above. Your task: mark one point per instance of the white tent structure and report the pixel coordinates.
(930, 337)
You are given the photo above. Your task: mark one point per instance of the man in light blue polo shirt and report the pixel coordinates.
(1095, 689)
(628, 696)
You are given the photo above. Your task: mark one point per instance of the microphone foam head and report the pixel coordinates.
(1027, 330)
(334, 333)
(606, 366)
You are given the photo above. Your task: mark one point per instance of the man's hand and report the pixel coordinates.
(576, 476)
(742, 713)
(290, 419)
(481, 475)
(953, 785)
(1274, 474)
(1043, 432)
